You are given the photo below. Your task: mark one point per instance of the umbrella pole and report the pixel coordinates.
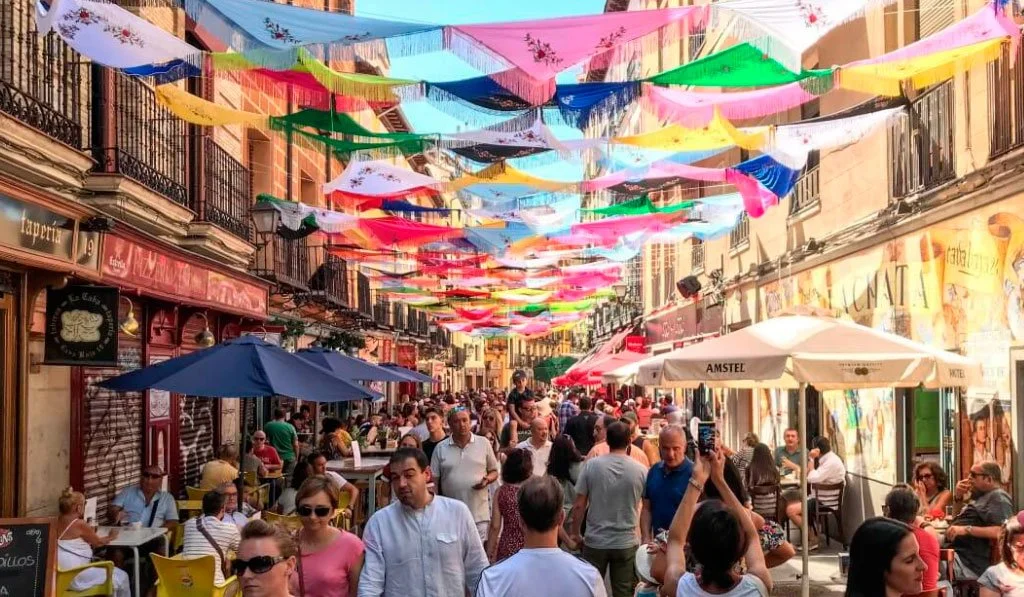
(805, 581)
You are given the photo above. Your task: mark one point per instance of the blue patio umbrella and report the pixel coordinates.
(347, 367)
(409, 374)
(244, 367)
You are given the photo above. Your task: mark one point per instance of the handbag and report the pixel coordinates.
(225, 568)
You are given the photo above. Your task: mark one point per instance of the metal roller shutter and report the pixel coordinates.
(196, 421)
(934, 16)
(112, 431)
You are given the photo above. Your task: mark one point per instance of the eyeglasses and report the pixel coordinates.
(975, 475)
(230, 494)
(307, 511)
(259, 439)
(925, 476)
(152, 476)
(258, 564)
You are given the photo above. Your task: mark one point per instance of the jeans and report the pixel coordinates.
(620, 564)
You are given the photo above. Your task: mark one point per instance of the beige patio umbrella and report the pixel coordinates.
(794, 351)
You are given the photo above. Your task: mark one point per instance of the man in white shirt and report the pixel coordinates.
(423, 544)
(209, 534)
(823, 467)
(463, 466)
(539, 444)
(540, 506)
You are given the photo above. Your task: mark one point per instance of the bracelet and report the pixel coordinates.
(696, 485)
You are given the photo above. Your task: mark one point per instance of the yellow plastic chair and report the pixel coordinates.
(192, 577)
(289, 522)
(340, 520)
(65, 577)
(194, 493)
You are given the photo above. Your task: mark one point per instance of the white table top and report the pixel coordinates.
(129, 537)
(345, 464)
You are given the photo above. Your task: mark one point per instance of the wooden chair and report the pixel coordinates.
(191, 577)
(830, 504)
(962, 587)
(66, 577)
(194, 493)
(766, 500)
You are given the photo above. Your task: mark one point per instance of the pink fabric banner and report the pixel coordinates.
(397, 231)
(540, 49)
(655, 171)
(756, 198)
(694, 109)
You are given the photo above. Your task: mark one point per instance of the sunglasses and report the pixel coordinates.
(259, 439)
(926, 476)
(307, 511)
(975, 475)
(152, 476)
(258, 564)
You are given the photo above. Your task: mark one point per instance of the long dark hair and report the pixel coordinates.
(735, 482)
(563, 455)
(762, 470)
(717, 541)
(872, 549)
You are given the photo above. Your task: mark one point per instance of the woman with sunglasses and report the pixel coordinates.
(931, 484)
(329, 559)
(266, 560)
(489, 427)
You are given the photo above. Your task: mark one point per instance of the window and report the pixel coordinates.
(805, 194)
(739, 237)
(697, 257)
(921, 150)
(1006, 103)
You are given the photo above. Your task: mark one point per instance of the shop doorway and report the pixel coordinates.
(8, 394)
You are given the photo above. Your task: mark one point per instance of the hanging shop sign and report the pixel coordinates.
(81, 326)
(406, 356)
(672, 325)
(636, 343)
(145, 268)
(38, 230)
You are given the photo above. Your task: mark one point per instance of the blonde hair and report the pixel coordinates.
(69, 498)
(261, 529)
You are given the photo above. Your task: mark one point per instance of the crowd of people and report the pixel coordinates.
(500, 494)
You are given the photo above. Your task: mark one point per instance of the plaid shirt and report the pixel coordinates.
(566, 411)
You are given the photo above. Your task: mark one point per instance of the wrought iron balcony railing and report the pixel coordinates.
(330, 281)
(43, 83)
(697, 257)
(226, 196)
(285, 262)
(806, 193)
(138, 138)
(364, 298)
(921, 144)
(740, 234)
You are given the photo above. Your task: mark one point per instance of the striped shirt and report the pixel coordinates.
(225, 533)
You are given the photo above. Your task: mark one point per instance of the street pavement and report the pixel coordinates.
(823, 569)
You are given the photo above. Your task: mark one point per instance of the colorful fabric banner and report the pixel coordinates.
(583, 103)
(295, 216)
(344, 149)
(654, 177)
(506, 176)
(518, 137)
(540, 49)
(718, 133)
(640, 206)
(271, 34)
(785, 29)
(378, 179)
(772, 175)
(739, 66)
(790, 143)
(197, 110)
(109, 35)
(335, 122)
(694, 109)
(394, 231)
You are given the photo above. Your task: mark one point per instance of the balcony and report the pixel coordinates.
(141, 154)
(329, 284)
(399, 313)
(1006, 103)
(806, 195)
(739, 236)
(285, 263)
(921, 145)
(44, 86)
(364, 296)
(382, 313)
(221, 190)
(697, 257)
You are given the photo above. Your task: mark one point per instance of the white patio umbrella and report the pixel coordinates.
(794, 351)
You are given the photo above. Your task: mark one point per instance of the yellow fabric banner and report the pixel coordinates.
(194, 109)
(500, 173)
(717, 134)
(887, 78)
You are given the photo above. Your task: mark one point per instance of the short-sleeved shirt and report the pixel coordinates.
(929, 552)
(267, 455)
(988, 510)
(327, 573)
(515, 397)
(539, 457)
(581, 429)
(160, 509)
(749, 586)
(562, 574)
(1002, 580)
(217, 472)
(225, 533)
(613, 485)
(796, 458)
(430, 445)
(664, 490)
(522, 434)
(282, 436)
(456, 470)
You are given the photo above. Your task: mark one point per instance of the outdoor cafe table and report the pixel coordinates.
(370, 470)
(134, 539)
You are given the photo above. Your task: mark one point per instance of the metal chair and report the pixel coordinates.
(191, 577)
(830, 504)
(66, 577)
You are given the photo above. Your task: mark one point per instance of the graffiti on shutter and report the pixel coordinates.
(195, 437)
(112, 433)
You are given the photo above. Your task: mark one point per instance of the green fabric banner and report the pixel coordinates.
(639, 206)
(738, 66)
(335, 122)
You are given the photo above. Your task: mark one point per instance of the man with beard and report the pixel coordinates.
(423, 544)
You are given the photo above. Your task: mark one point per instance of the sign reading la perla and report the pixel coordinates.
(81, 326)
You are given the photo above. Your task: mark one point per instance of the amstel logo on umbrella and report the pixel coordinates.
(724, 368)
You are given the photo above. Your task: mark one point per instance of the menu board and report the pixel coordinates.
(28, 556)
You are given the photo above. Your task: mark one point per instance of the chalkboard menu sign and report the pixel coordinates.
(28, 556)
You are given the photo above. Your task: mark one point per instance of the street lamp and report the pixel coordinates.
(265, 218)
(620, 290)
(205, 338)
